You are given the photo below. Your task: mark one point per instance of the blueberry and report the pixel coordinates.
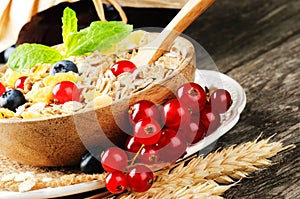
(89, 164)
(63, 66)
(12, 99)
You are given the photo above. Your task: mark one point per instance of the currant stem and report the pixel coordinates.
(136, 155)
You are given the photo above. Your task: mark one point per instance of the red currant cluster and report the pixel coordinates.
(161, 135)
(138, 177)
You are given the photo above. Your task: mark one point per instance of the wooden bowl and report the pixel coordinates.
(62, 140)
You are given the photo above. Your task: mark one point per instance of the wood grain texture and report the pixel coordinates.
(258, 44)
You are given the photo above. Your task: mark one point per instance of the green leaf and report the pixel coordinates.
(99, 35)
(28, 55)
(69, 21)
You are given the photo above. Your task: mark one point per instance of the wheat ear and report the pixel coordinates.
(201, 177)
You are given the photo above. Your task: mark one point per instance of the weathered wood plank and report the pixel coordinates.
(237, 31)
(258, 44)
(272, 85)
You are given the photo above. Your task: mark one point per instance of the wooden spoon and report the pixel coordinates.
(152, 51)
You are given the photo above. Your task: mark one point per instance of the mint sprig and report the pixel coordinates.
(69, 21)
(99, 35)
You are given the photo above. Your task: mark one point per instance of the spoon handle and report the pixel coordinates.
(190, 11)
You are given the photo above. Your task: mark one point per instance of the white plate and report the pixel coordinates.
(208, 78)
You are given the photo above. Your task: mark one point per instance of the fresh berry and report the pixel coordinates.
(140, 178)
(165, 138)
(147, 131)
(66, 91)
(193, 131)
(2, 88)
(210, 120)
(63, 66)
(175, 114)
(193, 95)
(114, 159)
(20, 82)
(149, 155)
(90, 164)
(12, 99)
(171, 147)
(220, 100)
(123, 66)
(142, 110)
(116, 182)
(132, 145)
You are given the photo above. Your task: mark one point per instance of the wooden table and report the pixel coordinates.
(257, 42)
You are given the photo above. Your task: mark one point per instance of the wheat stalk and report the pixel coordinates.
(206, 189)
(201, 177)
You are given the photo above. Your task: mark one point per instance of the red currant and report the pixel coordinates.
(147, 132)
(165, 138)
(193, 95)
(122, 66)
(142, 110)
(132, 145)
(220, 100)
(193, 131)
(149, 155)
(172, 146)
(175, 114)
(114, 159)
(116, 182)
(2, 89)
(210, 119)
(140, 178)
(66, 91)
(20, 82)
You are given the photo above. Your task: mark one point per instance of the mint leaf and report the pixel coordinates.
(112, 32)
(69, 21)
(28, 55)
(99, 35)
